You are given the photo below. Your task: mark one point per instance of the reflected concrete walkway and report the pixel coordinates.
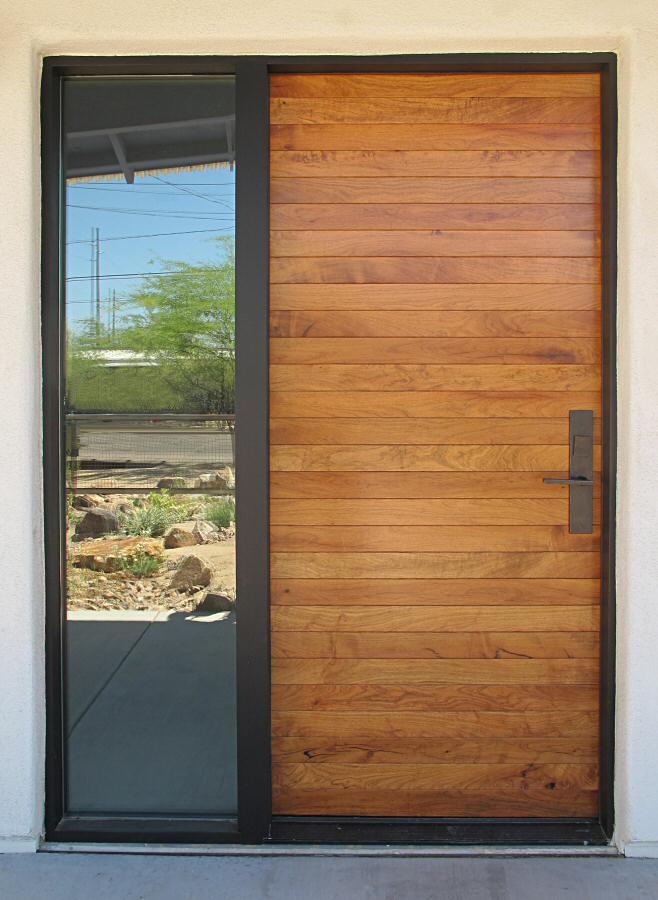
(120, 877)
(151, 712)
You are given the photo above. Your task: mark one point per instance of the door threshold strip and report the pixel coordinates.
(352, 850)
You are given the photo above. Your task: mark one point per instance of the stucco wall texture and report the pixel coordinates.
(32, 29)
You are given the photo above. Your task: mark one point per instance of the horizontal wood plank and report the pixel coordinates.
(435, 565)
(346, 404)
(450, 512)
(434, 163)
(429, 269)
(434, 378)
(419, 431)
(433, 698)
(434, 137)
(429, 538)
(447, 323)
(392, 243)
(524, 351)
(424, 620)
(544, 723)
(435, 190)
(395, 217)
(396, 591)
(414, 485)
(436, 85)
(540, 111)
(455, 645)
(446, 776)
(540, 803)
(421, 458)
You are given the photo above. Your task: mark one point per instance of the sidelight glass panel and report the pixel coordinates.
(150, 683)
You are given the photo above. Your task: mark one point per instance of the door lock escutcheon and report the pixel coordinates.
(581, 471)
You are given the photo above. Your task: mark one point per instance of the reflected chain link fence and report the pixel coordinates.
(131, 453)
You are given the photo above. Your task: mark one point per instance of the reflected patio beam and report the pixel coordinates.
(140, 165)
(181, 124)
(119, 150)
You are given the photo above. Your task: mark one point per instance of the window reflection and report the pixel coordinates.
(150, 425)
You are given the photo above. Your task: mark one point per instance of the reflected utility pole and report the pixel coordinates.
(98, 280)
(95, 280)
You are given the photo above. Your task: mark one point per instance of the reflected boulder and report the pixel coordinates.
(87, 501)
(111, 555)
(219, 480)
(213, 602)
(192, 573)
(96, 522)
(170, 483)
(187, 534)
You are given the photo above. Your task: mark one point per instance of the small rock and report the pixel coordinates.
(180, 535)
(191, 573)
(96, 522)
(187, 534)
(213, 602)
(87, 501)
(169, 483)
(219, 480)
(205, 531)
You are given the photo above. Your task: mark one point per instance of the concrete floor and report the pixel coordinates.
(151, 713)
(76, 876)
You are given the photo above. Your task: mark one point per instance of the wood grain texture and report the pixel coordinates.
(434, 243)
(435, 565)
(435, 316)
(347, 404)
(544, 723)
(419, 431)
(526, 351)
(420, 458)
(472, 511)
(434, 163)
(434, 137)
(397, 591)
(447, 323)
(410, 538)
(445, 776)
(454, 645)
(434, 698)
(525, 803)
(435, 85)
(541, 111)
(424, 269)
(435, 190)
(414, 485)
(425, 620)
(434, 378)
(377, 217)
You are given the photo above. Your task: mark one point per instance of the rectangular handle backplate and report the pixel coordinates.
(581, 471)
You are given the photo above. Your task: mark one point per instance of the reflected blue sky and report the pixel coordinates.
(168, 216)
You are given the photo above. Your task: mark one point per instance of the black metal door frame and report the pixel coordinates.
(255, 823)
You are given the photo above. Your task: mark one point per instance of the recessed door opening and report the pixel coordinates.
(330, 449)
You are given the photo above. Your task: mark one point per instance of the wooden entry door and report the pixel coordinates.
(435, 316)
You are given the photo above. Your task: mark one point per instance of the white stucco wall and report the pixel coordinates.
(30, 29)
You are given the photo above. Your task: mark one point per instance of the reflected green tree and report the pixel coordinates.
(177, 335)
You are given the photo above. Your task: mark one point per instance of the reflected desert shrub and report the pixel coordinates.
(159, 511)
(220, 512)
